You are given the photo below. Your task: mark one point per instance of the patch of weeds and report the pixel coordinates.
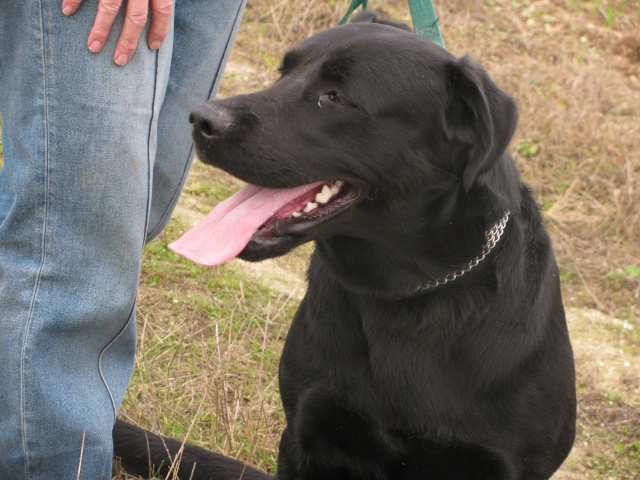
(611, 427)
(527, 147)
(206, 189)
(546, 202)
(628, 276)
(609, 14)
(630, 450)
(609, 11)
(531, 12)
(573, 293)
(567, 276)
(630, 272)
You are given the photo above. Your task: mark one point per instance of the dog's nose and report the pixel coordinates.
(210, 121)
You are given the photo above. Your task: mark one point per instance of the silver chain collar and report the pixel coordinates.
(492, 238)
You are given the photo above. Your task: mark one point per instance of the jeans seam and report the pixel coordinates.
(146, 224)
(212, 89)
(43, 250)
(104, 350)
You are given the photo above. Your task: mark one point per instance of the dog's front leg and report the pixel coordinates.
(325, 440)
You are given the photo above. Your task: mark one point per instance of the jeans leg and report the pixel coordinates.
(78, 137)
(80, 140)
(204, 34)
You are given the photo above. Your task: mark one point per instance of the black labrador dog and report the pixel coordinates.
(432, 342)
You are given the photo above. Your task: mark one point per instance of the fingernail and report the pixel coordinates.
(67, 9)
(95, 46)
(155, 44)
(121, 59)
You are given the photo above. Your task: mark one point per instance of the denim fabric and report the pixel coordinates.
(95, 158)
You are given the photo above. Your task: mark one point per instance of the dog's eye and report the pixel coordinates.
(333, 97)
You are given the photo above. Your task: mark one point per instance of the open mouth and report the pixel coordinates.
(323, 201)
(259, 222)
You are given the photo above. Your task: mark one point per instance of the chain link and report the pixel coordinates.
(492, 238)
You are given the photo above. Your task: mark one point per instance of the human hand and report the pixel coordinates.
(135, 20)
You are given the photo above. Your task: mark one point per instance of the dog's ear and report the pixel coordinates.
(367, 16)
(479, 115)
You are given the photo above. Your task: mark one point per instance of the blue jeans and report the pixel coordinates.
(95, 159)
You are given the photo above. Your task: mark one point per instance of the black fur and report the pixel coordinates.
(381, 379)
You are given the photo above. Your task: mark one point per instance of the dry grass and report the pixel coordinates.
(208, 347)
(577, 143)
(210, 339)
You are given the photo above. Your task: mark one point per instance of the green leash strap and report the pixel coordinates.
(425, 21)
(354, 4)
(423, 14)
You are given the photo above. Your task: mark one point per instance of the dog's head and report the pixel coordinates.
(374, 115)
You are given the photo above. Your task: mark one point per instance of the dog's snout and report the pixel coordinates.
(210, 121)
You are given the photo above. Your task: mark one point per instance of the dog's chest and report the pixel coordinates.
(385, 362)
(411, 369)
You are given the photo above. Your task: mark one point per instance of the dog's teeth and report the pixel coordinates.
(310, 207)
(296, 214)
(334, 189)
(325, 195)
(339, 183)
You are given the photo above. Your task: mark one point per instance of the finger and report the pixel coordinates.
(69, 7)
(161, 12)
(134, 21)
(107, 11)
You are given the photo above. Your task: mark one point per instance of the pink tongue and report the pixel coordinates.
(225, 232)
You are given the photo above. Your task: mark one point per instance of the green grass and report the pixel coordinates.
(208, 345)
